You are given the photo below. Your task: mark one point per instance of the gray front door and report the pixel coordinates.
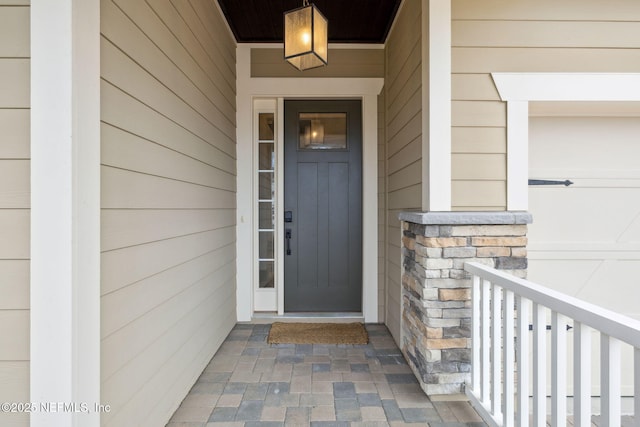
(323, 206)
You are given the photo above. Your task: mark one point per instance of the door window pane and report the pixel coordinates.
(265, 215)
(265, 185)
(265, 127)
(266, 159)
(265, 244)
(322, 131)
(267, 278)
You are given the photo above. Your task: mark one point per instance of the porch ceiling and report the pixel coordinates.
(353, 21)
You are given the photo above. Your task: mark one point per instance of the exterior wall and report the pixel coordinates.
(268, 62)
(499, 36)
(14, 207)
(403, 120)
(436, 295)
(168, 202)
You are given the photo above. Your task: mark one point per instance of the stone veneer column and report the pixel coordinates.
(436, 291)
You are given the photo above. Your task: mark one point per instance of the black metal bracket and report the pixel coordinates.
(569, 327)
(566, 182)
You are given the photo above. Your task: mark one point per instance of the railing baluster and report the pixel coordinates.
(475, 335)
(508, 359)
(523, 362)
(492, 392)
(486, 342)
(539, 366)
(558, 369)
(581, 374)
(496, 341)
(610, 380)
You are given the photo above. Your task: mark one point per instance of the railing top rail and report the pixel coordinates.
(608, 322)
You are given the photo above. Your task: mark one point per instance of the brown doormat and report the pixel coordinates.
(317, 333)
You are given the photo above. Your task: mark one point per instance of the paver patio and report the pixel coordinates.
(251, 383)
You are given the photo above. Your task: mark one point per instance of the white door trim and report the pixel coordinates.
(517, 89)
(249, 88)
(65, 211)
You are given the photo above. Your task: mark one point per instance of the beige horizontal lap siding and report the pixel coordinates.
(502, 36)
(268, 62)
(168, 202)
(403, 150)
(15, 204)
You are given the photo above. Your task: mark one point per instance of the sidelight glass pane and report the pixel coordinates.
(267, 278)
(322, 131)
(265, 215)
(266, 187)
(265, 244)
(265, 127)
(266, 159)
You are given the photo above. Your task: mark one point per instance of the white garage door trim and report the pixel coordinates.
(517, 89)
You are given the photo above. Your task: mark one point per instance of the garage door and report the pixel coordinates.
(585, 238)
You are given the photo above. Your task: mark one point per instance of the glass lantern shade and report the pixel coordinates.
(305, 38)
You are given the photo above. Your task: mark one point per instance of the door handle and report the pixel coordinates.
(287, 235)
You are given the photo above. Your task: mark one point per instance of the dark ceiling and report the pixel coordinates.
(350, 21)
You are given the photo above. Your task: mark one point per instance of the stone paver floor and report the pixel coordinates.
(251, 383)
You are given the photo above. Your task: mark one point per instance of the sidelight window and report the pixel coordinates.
(266, 200)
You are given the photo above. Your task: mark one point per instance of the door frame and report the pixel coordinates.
(248, 90)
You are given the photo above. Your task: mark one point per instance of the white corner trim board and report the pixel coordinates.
(520, 88)
(65, 211)
(436, 100)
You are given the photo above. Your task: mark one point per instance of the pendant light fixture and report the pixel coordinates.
(305, 37)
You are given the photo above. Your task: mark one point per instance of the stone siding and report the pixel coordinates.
(436, 291)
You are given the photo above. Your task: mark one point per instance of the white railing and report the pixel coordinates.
(504, 370)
